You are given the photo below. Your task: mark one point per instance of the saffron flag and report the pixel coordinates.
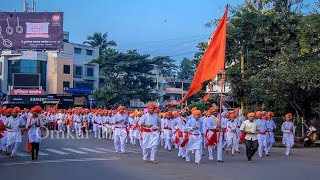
(206, 97)
(213, 59)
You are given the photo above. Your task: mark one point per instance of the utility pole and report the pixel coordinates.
(242, 76)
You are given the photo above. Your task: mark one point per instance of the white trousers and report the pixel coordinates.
(210, 151)
(197, 155)
(219, 148)
(262, 140)
(182, 152)
(120, 136)
(231, 144)
(108, 133)
(152, 153)
(13, 148)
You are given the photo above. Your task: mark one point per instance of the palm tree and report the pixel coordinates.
(100, 40)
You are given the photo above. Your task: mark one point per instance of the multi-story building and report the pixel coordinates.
(32, 77)
(169, 89)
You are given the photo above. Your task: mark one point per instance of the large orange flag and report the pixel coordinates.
(213, 59)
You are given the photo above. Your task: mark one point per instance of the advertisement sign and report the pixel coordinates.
(26, 99)
(31, 30)
(28, 92)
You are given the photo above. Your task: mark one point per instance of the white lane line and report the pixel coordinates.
(92, 150)
(43, 154)
(23, 154)
(133, 149)
(106, 150)
(74, 151)
(60, 161)
(135, 152)
(57, 152)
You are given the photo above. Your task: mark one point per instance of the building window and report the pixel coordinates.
(89, 72)
(0, 68)
(66, 84)
(77, 50)
(66, 69)
(89, 52)
(78, 71)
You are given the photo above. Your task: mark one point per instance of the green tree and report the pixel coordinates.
(127, 76)
(186, 69)
(98, 39)
(165, 64)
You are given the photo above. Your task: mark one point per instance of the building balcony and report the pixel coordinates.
(175, 91)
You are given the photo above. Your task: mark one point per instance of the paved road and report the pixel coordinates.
(95, 159)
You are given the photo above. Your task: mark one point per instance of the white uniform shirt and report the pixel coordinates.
(119, 117)
(150, 120)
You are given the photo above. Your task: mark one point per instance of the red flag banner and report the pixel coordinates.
(206, 97)
(213, 59)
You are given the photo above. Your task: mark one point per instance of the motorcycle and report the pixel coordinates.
(311, 137)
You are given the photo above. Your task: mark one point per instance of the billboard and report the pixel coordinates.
(27, 92)
(26, 80)
(31, 30)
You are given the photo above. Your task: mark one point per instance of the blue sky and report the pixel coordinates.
(156, 27)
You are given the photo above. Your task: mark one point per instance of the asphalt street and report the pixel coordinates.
(91, 158)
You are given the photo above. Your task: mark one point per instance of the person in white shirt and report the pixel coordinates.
(120, 120)
(210, 131)
(33, 125)
(195, 131)
(231, 133)
(250, 128)
(166, 126)
(14, 125)
(60, 120)
(132, 128)
(150, 136)
(180, 133)
(77, 118)
(262, 133)
(239, 121)
(288, 129)
(108, 125)
(271, 128)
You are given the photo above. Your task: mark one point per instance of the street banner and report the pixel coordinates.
(31, 30)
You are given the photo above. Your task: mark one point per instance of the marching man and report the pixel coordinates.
(180, 133)
(120, 120)
(166, 126)
(232, 136)
(210, 129)
(150, 137)
(14, 132)
(271, 127)
(262, 136)
(194, 139)
(249, 128)
(287, 129)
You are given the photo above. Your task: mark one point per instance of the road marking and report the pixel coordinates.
(133, 149)
(107, 150)
(43, 154)
(57, 152)
(92, 150)
(74, 151)
(60, 161)
(130, 151)
(22, 154)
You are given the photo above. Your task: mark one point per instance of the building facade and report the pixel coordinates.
(32, 77)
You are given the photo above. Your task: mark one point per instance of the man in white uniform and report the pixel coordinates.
(288, 129)
(231, 133)
(262, 136)
(120, 121)
(194, 128)
(14, 132)
(150, 137)
(271, 127)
